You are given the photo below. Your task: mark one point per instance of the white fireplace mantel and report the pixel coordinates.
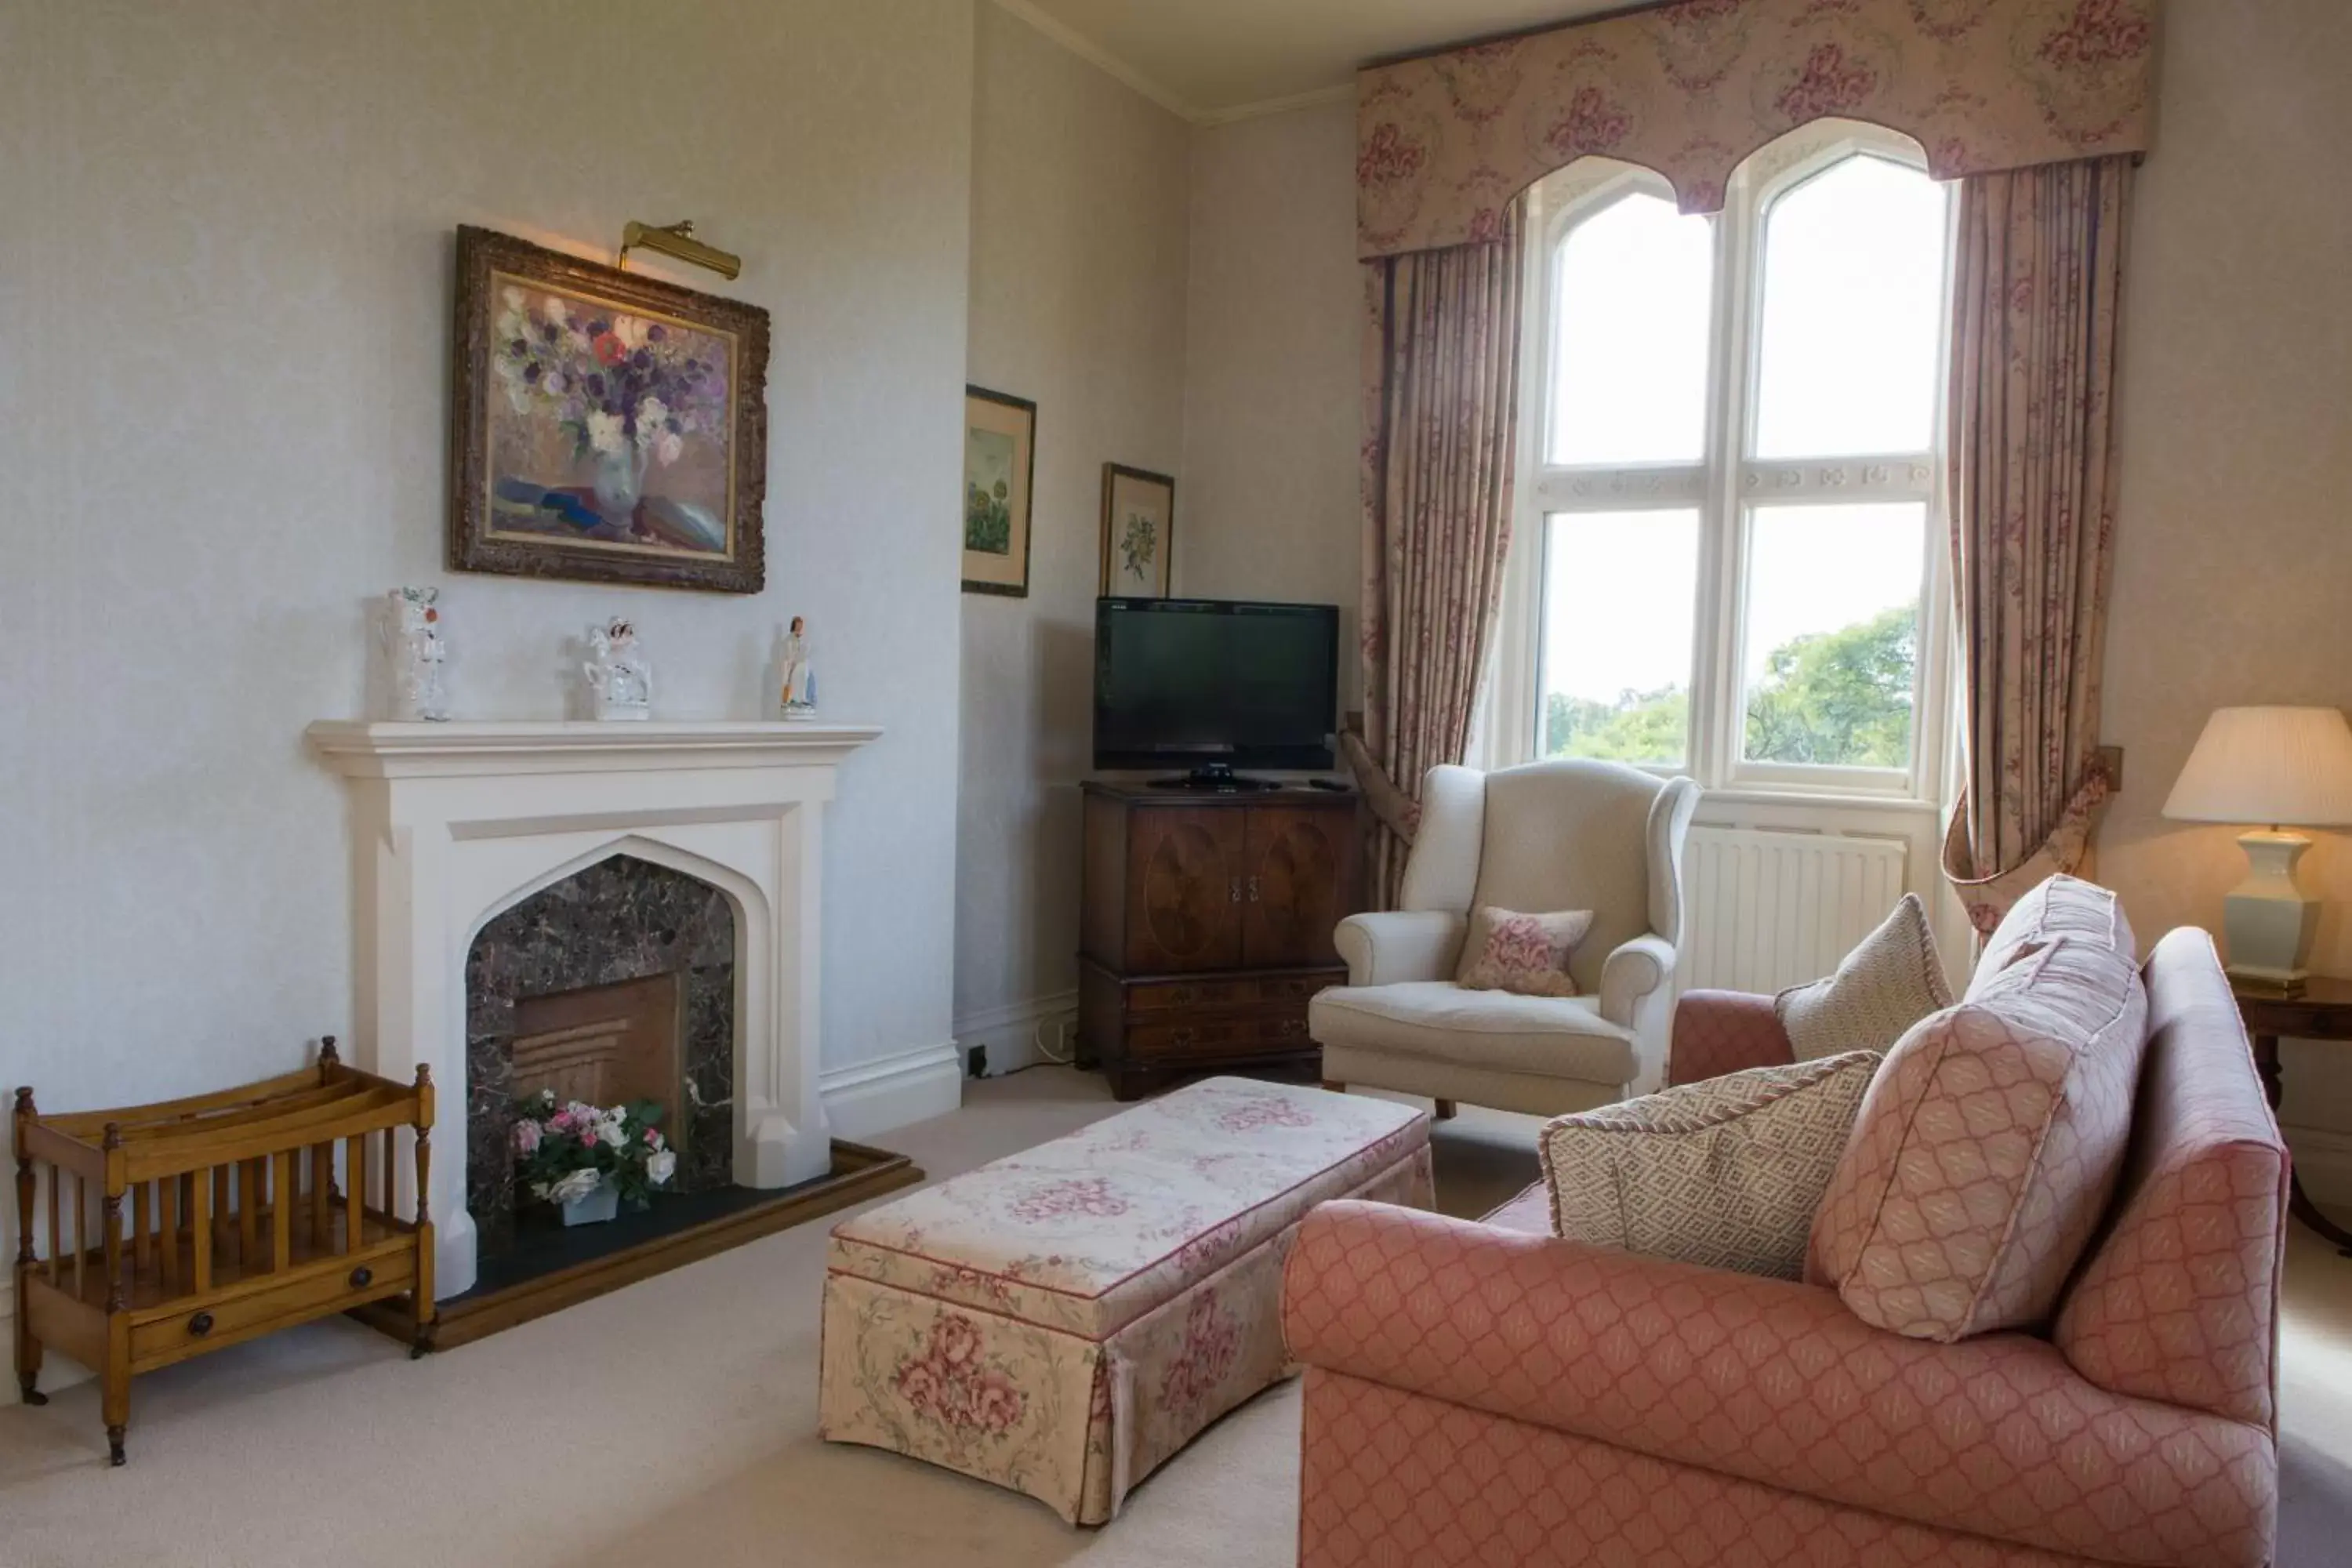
(453, 822)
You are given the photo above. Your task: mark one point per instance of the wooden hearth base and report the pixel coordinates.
(551, 1270)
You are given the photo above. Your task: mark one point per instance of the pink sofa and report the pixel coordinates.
(1488, 1393)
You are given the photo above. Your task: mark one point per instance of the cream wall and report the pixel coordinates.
(1271, 401)
(2234, 536)
(224, 299)
(1078, 303)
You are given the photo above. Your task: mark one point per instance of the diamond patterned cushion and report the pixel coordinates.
(1992, 1138)
(1889, 982)
(1725, 1173)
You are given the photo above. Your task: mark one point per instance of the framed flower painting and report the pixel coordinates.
(1139, 533)
(1000, 460)
(608, 426)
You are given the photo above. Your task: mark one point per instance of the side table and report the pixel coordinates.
(2321, 1011)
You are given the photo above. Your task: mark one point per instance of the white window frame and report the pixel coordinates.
(1723, 486)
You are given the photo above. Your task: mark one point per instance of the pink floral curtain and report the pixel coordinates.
(2038, 279)
(1441, 400)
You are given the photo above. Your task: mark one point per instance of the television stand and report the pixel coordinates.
(1215, 778)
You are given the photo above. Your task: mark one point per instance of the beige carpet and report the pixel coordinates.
(671, 1424)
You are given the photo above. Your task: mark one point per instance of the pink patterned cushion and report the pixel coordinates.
(2179, 1302)
(1990, 1142)
(1525, 954)
(2061, 906)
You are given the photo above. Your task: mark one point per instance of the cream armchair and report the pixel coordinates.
(1550, 836)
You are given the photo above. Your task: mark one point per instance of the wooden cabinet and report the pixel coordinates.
(1206, 926)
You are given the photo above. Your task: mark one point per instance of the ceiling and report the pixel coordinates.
(1225, 59)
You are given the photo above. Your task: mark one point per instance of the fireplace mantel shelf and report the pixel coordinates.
(365, 749)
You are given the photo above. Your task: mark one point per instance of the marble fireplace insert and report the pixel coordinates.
(614, 984)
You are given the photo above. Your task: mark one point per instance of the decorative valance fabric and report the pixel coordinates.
(1445, 142)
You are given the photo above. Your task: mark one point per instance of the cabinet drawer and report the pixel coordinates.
(1217, 1037)
(1244, 990)
(308, 1295)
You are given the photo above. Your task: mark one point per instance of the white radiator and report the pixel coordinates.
(1768, 909)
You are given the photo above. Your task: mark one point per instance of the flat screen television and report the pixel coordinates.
(1211, 684)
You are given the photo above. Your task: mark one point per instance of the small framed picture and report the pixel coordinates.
(1139, 533)
(999, 459)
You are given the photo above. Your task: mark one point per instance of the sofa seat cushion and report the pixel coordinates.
(1725, 1174)
(1545, 1036)
(1991, 1140)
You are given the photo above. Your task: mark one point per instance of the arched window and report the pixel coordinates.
(1730, 534)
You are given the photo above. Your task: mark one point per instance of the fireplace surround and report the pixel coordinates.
(452, 825)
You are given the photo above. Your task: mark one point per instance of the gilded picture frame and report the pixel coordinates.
(605, 426)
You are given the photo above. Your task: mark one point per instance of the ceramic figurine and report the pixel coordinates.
(620, 679)
(413, 654)
(797, 691)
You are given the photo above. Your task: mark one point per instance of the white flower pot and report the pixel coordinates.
(599, 1205)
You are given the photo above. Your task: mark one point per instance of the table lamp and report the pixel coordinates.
(2287, 767)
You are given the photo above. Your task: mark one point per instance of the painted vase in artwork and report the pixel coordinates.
(415, 655)
(796, 681)
(620, 676)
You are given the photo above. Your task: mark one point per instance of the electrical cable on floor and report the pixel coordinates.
(1037, 1039)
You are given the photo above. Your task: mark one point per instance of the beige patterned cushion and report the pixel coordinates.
(1527, 955)
(1725, 1172)
(1889, 982)
(1989, 1144)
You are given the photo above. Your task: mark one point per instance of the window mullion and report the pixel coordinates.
(1715, 693)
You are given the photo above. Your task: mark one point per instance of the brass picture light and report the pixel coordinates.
(678, 239)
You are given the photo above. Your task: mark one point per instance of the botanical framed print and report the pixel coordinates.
(605, 426)
(1139, 533)
(999, 461)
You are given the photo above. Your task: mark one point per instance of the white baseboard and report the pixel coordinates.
(2323, 1160)
(870, 1097)
(1009, 1033)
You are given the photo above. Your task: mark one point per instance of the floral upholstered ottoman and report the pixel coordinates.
(1063, 1320)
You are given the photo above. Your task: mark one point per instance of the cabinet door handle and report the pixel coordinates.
(1253, 885)
(1236, 894)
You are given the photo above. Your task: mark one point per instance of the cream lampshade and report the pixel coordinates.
(2284, 767)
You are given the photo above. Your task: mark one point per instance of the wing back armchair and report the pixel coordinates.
(1543, 838)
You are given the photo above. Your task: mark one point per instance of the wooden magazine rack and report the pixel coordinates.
(236, 1225)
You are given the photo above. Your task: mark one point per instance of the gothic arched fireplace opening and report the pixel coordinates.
(612, 985)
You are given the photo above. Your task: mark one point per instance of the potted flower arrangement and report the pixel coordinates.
(585, 1159)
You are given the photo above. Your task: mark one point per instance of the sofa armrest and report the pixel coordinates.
(1716, 1032)
(1631, 972)
(1401, 944)
(1776, 1382)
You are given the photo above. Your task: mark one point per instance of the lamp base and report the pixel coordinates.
(2267, 920)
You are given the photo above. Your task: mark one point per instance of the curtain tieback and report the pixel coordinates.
(1397, 811)
(2060, 854)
